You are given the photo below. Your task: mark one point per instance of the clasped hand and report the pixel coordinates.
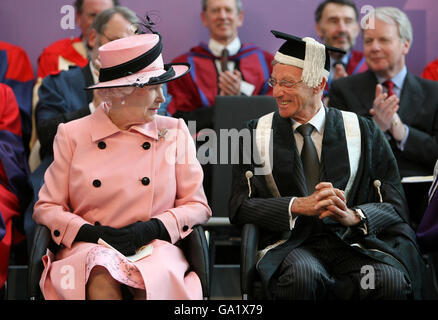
(126, 240)
(326, 202)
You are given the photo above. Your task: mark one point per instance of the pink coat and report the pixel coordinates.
(114, 177)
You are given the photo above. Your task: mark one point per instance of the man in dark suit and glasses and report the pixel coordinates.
(327, 199)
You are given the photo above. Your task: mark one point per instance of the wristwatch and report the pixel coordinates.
(362, 220)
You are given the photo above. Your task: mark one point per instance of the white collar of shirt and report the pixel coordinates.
(216, 47)
(94, 73)
(318, 122)
(398, 80)
(95, 80)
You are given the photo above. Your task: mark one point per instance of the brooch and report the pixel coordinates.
(162, 134)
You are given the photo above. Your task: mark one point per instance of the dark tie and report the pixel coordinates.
(390, 86)
(224, 60)
(309, 157)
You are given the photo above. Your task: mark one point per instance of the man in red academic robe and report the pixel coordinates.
(224, 66)
(16, 72)
(337, 26)
(15, 190)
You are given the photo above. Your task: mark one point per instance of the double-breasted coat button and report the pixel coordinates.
(146, 145)
(97, 183)
(56, 233)
(145, 181)
(185, 228)
(101, 145)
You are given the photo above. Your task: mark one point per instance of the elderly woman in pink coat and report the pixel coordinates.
(128, 177)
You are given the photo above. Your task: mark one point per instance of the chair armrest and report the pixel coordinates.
(248, 254)
(195, 249)
(40, 244)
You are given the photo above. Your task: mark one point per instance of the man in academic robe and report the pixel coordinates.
(16, 72)
(15, 189)
(63, 53)
(323, 187)
(337, 24)
(224, 66)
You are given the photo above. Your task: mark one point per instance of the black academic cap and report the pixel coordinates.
(296, 47)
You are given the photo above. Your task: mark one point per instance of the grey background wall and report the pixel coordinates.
(34, 24)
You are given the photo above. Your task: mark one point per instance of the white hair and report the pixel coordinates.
(395, 16)
(108, 94)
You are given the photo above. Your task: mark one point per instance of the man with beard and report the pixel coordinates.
(337, 25)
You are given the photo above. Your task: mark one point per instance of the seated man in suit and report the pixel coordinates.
(403, 105)
(337, 24)
(324, 189)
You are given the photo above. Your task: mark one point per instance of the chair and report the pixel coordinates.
(194, 246)
(250, 284)
(231, 112)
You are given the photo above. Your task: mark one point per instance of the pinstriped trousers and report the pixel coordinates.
(324, 267)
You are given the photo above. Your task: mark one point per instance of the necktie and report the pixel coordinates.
(309, 157)
(224, 60)
(390, 86)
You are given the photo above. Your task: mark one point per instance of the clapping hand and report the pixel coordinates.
(384, 108)
(229, 83)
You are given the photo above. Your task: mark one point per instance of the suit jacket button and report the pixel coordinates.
(145, 181)
(97, 183)
(56, 233)
(101, 145)
(146, 145)
(185, 228)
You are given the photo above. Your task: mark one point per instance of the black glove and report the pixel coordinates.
(120, 239)
(146, 231)
(127, 239)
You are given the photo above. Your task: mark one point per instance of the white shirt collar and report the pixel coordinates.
(317, 121)
(398, 79)
(216, 47)
(93, 73)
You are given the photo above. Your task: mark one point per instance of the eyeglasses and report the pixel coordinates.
(283, 83)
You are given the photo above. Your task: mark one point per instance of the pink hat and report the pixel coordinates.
(135, 61)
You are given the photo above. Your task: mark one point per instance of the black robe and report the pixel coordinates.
(387, 222)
